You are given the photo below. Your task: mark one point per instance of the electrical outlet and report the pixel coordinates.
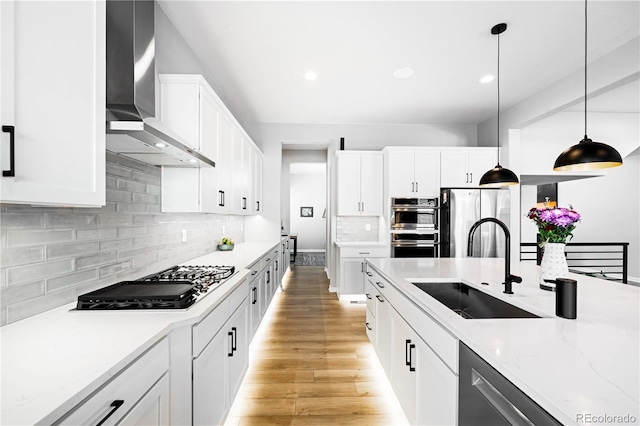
(184, 235)
(367, 227)
(223, 230)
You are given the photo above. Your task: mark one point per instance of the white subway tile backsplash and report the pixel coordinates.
(354, 229)
(60, 251)
(18, 293)
(51, 255)
(36, 271)
(21, 256)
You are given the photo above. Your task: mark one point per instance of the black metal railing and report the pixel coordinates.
(601, 260)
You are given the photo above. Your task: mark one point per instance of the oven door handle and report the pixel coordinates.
(412, 244)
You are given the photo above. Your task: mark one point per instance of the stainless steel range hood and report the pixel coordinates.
(132, 129)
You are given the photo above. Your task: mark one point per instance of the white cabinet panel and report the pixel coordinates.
(47, 72)
(437, 388)
(463, 168)
(348, 185)
(153, 408)
(413, 172)
(225, 166)
(210, 383)
(359, 183)
(403, 365)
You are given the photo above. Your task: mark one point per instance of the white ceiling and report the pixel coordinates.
(258, 52)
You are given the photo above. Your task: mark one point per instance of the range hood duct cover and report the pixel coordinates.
(132, 129)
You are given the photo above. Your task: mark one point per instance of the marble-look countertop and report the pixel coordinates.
(590, 365)
(52, 361)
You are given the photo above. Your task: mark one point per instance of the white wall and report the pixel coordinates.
(309, 190)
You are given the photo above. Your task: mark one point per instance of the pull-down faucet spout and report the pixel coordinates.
(508, 278)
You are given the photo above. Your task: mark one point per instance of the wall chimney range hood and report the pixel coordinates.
(132, 129)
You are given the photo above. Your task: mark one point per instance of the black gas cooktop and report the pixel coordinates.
(175, 288)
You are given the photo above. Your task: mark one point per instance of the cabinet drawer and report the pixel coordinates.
(128, 387)
(365, 251)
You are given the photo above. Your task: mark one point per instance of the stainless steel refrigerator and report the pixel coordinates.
(460, 209)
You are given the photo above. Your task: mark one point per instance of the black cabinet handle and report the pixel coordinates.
(407, 354)
(268, 277)
(244, 203)
(230, 334)
(367, 325)
(369, 274)
(411, 367)
(12, 157)
(257, 206)
(379, 298)
(368, 296)
(255, 297)
(115, 404)
(379, 284)
(276, 265)
(221, 203)
(234, 340)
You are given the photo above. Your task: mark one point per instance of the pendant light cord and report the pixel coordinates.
(498, 129)
(585, 69)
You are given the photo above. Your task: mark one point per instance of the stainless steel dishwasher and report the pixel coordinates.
(486, 397)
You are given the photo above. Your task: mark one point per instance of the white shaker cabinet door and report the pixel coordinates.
(349, 185)
(371, 170)
(52, 88)
(210, 381)
(427, 173)
(153, 408)
(225, 166)
(453, 169)
(480, 161)
(401, 181)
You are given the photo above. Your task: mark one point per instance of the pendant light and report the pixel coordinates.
(498, 176)
(587, 154)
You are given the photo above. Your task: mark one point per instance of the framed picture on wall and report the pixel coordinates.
(306, 211)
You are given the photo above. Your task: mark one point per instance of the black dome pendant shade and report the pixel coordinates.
(587, 154)
(498, 176)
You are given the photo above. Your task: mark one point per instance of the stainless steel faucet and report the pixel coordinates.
(508, 278)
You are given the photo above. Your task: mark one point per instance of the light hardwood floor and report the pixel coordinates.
(312, 364)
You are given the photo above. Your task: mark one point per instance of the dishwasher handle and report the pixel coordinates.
(498, 401)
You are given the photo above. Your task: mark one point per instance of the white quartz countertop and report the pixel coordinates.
(587, 366)
(52, 361)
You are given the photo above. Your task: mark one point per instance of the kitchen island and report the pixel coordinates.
(576, 370)
(56, 363)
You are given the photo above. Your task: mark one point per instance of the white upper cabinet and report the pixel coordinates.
(52, 90)
(191, 109)
(359, 183)
(463, 167)
(413, 172)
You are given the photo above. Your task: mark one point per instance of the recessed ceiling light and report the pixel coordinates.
(161, 145)
(310, 75)
(487, 78)
(404, 72)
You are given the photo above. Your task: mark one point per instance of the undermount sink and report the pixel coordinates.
(471, 303)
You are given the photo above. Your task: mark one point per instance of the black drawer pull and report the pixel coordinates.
(255, 298)
(12, 157)
(379, 284)
(368, 296)
(230, 334)
(379, 298)
(369, 274)
(407, 354)
(411, 367)
(368, 327)
(115, 404)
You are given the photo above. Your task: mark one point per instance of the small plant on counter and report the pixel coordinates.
(556, 224)
(226, 241)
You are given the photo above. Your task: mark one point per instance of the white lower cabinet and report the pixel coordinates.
(220, 367)
(424, 381)
(153, 409)
(352, 267)
(130, 395)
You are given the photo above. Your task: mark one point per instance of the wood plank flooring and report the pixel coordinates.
(312, 364)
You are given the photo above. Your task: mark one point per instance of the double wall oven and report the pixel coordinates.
(414, 227)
